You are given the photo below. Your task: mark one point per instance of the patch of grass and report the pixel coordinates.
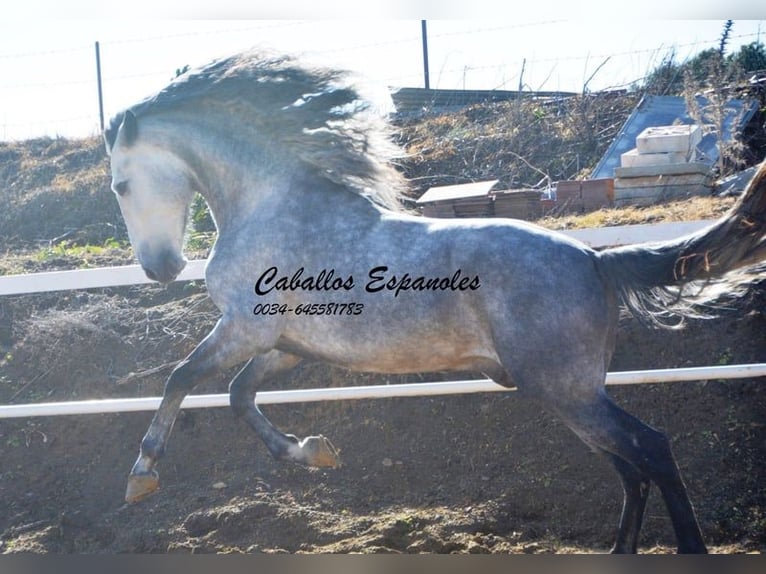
(725, 358)
(66, 256)
(200, 240)
(692, 209)
(13, 441)
(83, 253)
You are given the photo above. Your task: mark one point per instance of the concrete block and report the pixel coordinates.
(663, 139)
(650, 190)
(634, 159)
(655, 170)
(653, 196)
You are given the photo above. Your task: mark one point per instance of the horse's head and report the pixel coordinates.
(154, 188)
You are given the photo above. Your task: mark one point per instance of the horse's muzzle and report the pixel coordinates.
(164, 269)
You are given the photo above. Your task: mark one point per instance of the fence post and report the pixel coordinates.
(425, 54)
(100, 92)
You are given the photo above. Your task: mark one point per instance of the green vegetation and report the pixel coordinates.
(68, 250)
(712, 65)
(201, 220)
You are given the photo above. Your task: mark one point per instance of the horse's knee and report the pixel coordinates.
(183, 378)
(647, 449)
(658, 458)
(240, 394)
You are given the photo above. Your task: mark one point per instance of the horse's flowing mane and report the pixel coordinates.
(317, 115)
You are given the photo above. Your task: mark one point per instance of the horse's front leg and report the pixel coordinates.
(315, 451)
(220, 350)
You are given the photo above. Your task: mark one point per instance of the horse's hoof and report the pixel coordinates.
(141, 485)
(319, 451)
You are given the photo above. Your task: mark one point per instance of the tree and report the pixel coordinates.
(706, 67)
(750, 57)
(714, 75)
(666, 78)
(700, 67)
(181, 71)
(724, 37)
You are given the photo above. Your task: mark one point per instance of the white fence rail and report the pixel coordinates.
(368, 392)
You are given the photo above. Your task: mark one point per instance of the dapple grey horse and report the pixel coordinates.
(317, 259)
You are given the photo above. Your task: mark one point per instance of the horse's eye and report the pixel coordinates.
(121, 188)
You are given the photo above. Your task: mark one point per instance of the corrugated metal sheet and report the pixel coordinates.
(664, 111)
(460, 191)
(416, 100)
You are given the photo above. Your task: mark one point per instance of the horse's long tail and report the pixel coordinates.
(651, 277)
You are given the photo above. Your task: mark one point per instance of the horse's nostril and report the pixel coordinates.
(163, 269)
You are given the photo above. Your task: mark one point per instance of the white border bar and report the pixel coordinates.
(368, 392)
(89, 278)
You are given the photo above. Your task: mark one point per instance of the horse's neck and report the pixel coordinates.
(233, 202)
(232, 177)
(304, 202)
(242, 189)
(236, 190)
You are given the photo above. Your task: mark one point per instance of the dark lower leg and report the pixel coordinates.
(649, 451)
(143, 479)
(679, 506)
(605, 426)
(636, 492)
(215, 353)
(312, 451)
(242, 399)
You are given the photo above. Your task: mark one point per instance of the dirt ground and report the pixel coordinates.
(465, 474)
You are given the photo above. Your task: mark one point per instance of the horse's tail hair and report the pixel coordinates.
(660, 281)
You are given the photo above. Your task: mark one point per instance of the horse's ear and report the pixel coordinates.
(129, 128)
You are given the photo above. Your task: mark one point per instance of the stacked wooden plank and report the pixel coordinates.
(478, 200)
(438, 209)
(582, 196)
(518, 204)
(473, 207)
(465, 200)
(528, 204)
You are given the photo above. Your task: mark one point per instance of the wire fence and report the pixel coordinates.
(50, 92)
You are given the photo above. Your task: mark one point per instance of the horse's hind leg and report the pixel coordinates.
(215, 353)
(313, 450)
(635, 485)
(607, 427)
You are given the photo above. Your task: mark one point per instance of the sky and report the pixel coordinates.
(48, 67)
